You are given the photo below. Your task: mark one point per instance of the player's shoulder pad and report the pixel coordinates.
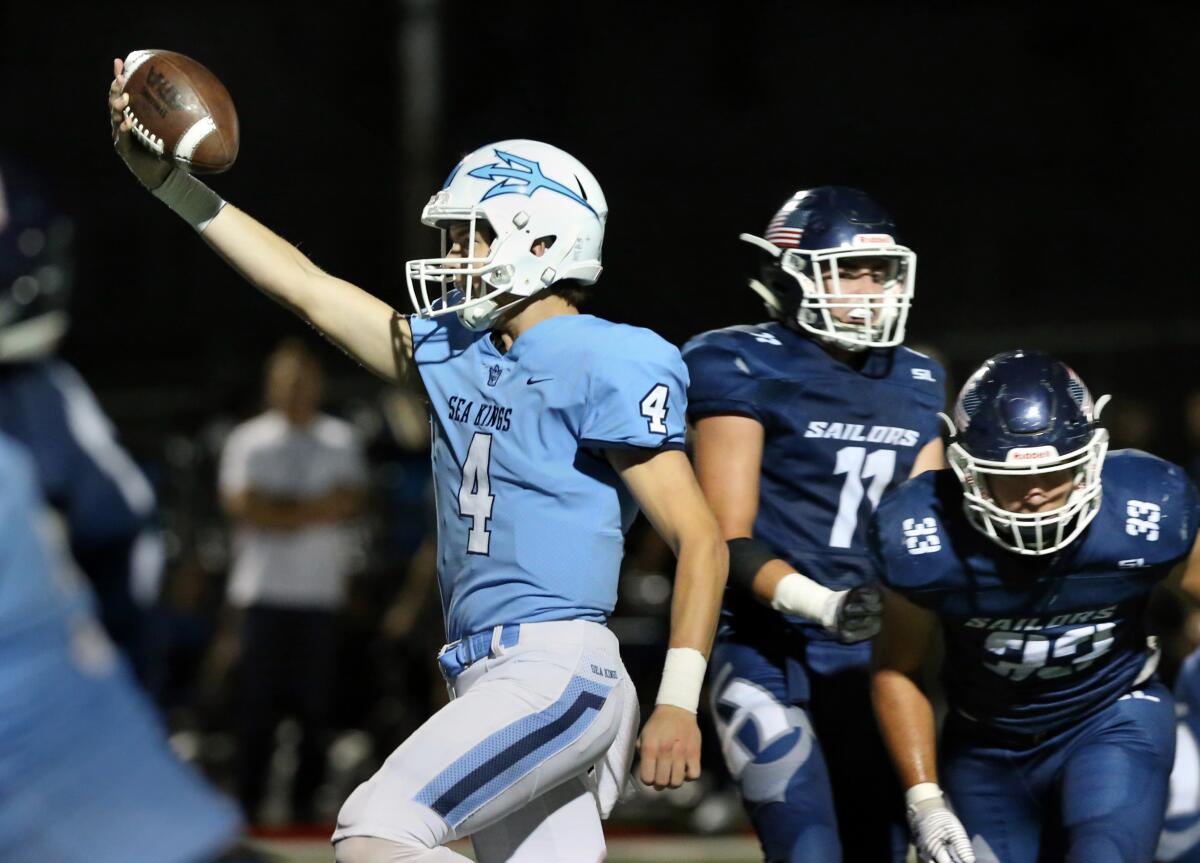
(606, 351)
(743, 340)
(636, 392)
(611, 346)
(919, 371)
(729, 367)
(1131, 475)
(918, 496)
(1141, 474)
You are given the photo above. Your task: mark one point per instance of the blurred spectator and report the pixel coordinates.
(291, 479)
(104, 502)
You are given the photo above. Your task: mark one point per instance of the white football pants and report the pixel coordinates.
(509, 760)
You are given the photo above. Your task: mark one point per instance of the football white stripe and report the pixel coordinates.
(135, 59)
(191, 139)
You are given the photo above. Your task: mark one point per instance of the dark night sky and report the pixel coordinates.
(1038, 158)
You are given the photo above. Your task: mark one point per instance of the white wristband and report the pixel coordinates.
(799, 595)
(193, 201)
(683, 675)
(921, 792)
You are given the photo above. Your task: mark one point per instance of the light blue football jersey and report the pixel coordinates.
(531, 515)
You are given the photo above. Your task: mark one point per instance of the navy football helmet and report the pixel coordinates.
(35, 268)
(1022, 413)
(813, 234)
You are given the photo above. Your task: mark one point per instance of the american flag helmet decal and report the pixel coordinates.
(778, 230)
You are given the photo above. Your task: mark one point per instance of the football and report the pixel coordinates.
(181, 111)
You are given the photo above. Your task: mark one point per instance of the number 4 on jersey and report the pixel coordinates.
(654, 408)
(475, 498)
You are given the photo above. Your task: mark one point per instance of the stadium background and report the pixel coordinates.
(1038, 158)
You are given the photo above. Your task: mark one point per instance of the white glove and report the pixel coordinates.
(937, 832)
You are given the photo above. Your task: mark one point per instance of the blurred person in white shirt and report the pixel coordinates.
(292, 480)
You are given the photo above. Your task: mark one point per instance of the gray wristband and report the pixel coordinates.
(193, 201)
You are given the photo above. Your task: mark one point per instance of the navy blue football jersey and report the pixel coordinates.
(104, 500)
(82, 470)
(1034, 643)
(836, 437)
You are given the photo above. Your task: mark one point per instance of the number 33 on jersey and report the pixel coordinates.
(518, 444)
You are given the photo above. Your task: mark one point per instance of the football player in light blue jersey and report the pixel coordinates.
(549, 429)
(86, 775)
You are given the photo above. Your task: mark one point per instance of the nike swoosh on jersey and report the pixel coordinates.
(533, 380)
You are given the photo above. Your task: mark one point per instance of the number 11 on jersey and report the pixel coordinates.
(475, 498)
(857, 465)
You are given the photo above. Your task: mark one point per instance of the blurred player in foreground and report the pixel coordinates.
(1036, 555)
(104, 501)
(86, 775)
(801, 424)
(550, 428)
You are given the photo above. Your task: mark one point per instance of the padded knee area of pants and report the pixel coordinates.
(364, 849)
(371, 849)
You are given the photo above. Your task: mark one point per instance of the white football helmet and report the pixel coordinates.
(524, 191)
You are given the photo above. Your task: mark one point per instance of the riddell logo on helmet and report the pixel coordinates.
(1038, 453)
(873, 239)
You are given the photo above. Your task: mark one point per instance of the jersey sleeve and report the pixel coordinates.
(721, 383)
(637, 397)
(906, 542)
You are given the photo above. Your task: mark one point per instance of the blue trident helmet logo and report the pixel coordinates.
(519, 176)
